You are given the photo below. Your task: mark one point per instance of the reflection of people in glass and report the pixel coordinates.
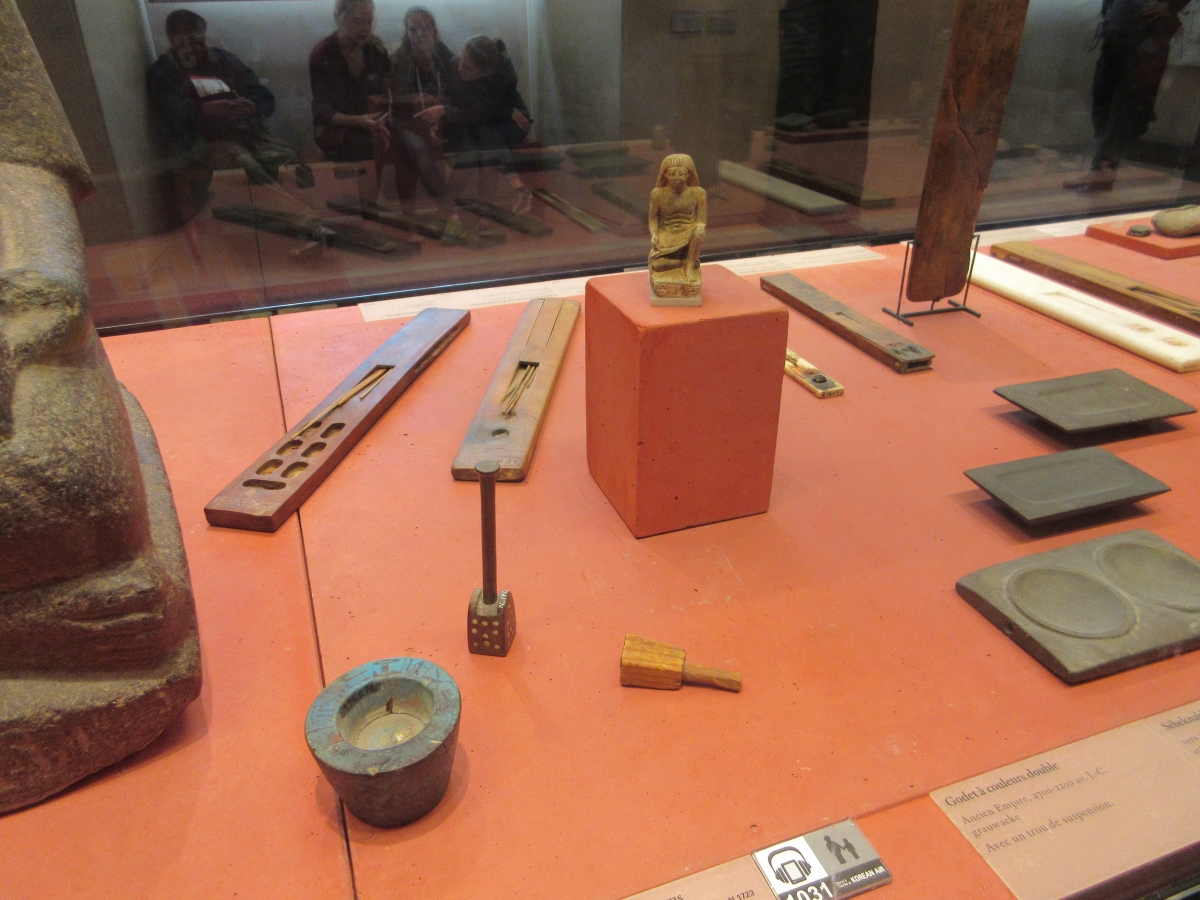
(347, 71)
(1135, 42)
(678, 213)
(485, 113)
(422, 70)
(212, 105)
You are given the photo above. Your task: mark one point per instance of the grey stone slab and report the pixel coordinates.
(1093, 400)
(1094, 608)
(1057, 486)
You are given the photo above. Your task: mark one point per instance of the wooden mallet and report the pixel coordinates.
(651, 664)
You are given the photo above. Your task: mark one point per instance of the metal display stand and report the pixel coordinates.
(933, 310)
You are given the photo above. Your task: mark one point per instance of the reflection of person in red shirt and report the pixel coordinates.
(212, 105)
(347, 71)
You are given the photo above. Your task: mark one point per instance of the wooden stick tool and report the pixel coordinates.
(491, 614)
(651, 664)
(810, 376)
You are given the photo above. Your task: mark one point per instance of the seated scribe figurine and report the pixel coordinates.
(212, 105)
(678, 213)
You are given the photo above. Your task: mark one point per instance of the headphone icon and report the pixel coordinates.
(789, 865)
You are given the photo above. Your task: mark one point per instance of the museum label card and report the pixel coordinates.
(1069, 821)
(831, 863)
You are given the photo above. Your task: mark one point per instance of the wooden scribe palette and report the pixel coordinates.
(509, 421)
(278, 482)
(869, 336)
(1175, 309)
(816, 381)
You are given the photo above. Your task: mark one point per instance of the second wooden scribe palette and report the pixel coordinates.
(278, 482)
(509, 421)
(870, 337)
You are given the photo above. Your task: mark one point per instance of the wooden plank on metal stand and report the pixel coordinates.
(867, 335)
(278, 482)
(510, 418)
(1175, 309)
(983, 55)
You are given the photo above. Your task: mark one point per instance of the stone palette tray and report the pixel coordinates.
(1056, 486)
(1094, 608)
(1104, 399)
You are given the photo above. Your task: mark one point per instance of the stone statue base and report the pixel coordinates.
(673, 293)
(57, 727)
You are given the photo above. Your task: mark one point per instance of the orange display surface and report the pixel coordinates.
(1155, 244)
(227, 802)
(867, 681)
(683, 402)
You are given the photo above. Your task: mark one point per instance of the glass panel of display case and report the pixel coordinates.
(264, 154)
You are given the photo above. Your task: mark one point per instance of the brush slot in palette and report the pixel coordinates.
(1094, 400)
(278, 482)
(1056, 486)
(1094, 608)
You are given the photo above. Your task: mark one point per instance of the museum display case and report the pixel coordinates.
(634, 311)
(810, 124)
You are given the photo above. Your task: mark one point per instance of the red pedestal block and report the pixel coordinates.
(683, 402)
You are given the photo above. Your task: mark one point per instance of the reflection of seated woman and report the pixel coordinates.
(484, 111)
(347, 71)
(422, 70)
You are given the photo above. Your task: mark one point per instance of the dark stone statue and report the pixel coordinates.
(98, 643)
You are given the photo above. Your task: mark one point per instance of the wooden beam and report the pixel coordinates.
(1174, 309)
(979, 69)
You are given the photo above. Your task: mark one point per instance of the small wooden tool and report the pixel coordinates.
(491, 614)
(872, 338)
(509, 421)
(278, 482)
(651, 664)
(1174, 309)
(811, 377)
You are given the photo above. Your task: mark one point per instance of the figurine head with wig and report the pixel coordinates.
(678, 172)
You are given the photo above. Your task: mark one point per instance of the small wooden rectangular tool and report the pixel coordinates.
(651, 664)
(1174, 309)
(869, 336)
(278, 482)
(509, 421)
(811, 377)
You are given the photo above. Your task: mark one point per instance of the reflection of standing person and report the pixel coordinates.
(1135, 43)
(422, 70)
(347, 71)
(212, 105)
